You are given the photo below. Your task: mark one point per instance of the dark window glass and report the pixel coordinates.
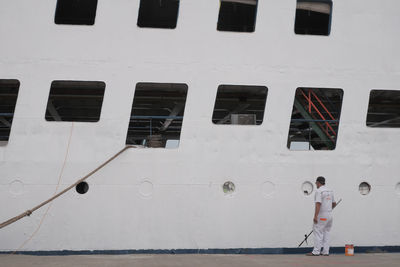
(313, 17)
(237, 16)
(384, 109)
(8, 99)
(75, 101)
(158, 13)
(157, 114)
(315, 119)
(240, 104)
(77, 12)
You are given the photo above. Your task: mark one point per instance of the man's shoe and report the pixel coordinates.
(312, 254)
(324, 254)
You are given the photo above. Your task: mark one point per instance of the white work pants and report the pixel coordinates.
(321, 234)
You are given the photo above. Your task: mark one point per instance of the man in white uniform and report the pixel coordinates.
(324, 203)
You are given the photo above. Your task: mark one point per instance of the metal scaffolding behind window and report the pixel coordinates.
(76, 12)
(158, 13)
(237, 15)
(75, 101)
(384, 109)
(157, 114)
(240, 104)
(315, 119)
(8, 99)
(313, 17)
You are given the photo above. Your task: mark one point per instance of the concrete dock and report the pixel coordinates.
(193, 260)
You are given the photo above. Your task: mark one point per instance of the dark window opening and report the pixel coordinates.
(82, 188)
(313, 17)
(384, 109)
(158, 13)
(75, 101)
(157, 115)
(240, 104)
(8, 100)
(237, 15)
(315, 119)
(76, 12)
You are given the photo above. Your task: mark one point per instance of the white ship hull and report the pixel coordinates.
(156, 198)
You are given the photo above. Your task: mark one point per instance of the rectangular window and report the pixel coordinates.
(157, 115)
(384, 109)
(158, 13)
(76, 12)
(237, 15)
(75, 101)
(240, 104)
(313, 17)
(315, 119)
(8, 100)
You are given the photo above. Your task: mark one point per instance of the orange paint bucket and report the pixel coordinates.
(349, 250)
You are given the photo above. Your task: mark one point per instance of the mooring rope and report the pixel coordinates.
(30, 211)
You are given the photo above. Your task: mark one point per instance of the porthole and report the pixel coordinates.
(82, 188)
(268, 189)
(16, 187)
(307, 188)
(228, 187)
(364, 188)
(146, 188)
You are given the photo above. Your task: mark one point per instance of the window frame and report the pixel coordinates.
(75, 85)
(143, 90)
(67, 19)
(321, 120)
(241, 89)
(12, 84)
(329, 29)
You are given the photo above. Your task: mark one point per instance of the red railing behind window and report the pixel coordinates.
(311, 105)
